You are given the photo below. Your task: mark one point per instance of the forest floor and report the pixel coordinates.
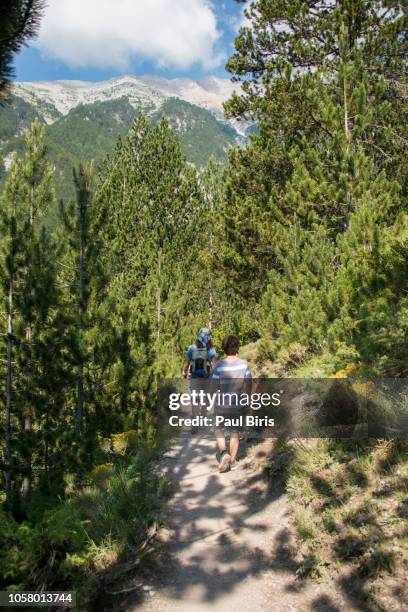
(228, 543)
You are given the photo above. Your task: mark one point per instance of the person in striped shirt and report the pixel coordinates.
(232, 376)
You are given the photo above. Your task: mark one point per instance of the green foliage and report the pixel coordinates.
(295, 36)
(297, 245)
(146, 200)
(20, 23)
(201, 135)
(315, 204)
(89, 132)
(38, 336)
(16, 114)
(88, 532)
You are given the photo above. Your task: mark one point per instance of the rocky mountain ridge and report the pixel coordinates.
(147, 93)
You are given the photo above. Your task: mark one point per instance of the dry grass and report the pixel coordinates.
(350, 508)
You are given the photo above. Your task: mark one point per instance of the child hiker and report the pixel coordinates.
(232, 376)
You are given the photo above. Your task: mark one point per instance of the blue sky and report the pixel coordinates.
(94, 40)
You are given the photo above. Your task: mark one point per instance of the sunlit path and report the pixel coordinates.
(231, 547)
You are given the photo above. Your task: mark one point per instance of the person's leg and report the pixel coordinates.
(195, 408)
(194, 386)
(234, 445)
(224, 459)
(220, 438)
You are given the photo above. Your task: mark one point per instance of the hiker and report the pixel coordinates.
(199, 363)
(232, 376)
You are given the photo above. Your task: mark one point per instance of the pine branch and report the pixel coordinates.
(20, 22)
(376, 146)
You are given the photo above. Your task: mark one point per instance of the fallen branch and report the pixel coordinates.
(128, 590)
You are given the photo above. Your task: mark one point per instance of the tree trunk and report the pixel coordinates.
(80, 399)
(158, 297)
(210, 280)
(26, 485)
(348, 140)
(80, 374)
(32, 207)
(9, 388)
(210, 310)
(46, 453)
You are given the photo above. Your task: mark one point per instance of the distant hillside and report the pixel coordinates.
(147, 92)
(201, 134)
(84, 120)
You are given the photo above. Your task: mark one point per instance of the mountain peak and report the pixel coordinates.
(145, 91)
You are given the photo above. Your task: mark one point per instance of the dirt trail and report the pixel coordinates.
(231, 547)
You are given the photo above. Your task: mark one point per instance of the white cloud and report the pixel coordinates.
(110, 33)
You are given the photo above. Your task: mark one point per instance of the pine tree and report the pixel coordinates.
(10, 222)
(306, 37)
(208, 235)
(86, 299)
(199, 293)
(38, 194)
(19, 22)
(144, 199)
(381, 332)
(365, 251)
(39, 342)
(293, 51)
(321, 96)
(83, 184)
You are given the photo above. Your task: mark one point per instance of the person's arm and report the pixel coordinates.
(214, 359)
(186, 366)
(248, 385)
(214, 378)
(248, 381)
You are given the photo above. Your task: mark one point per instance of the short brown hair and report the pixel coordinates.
(230, 345)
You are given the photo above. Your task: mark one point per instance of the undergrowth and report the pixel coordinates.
(350, 505)
(76, 542)
(348, 497)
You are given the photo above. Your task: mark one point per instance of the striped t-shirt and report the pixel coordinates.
(230, 376)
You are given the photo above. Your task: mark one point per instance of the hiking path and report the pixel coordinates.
(229, 544)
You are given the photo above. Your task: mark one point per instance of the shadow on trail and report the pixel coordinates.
(221, 535)
(365, 535)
